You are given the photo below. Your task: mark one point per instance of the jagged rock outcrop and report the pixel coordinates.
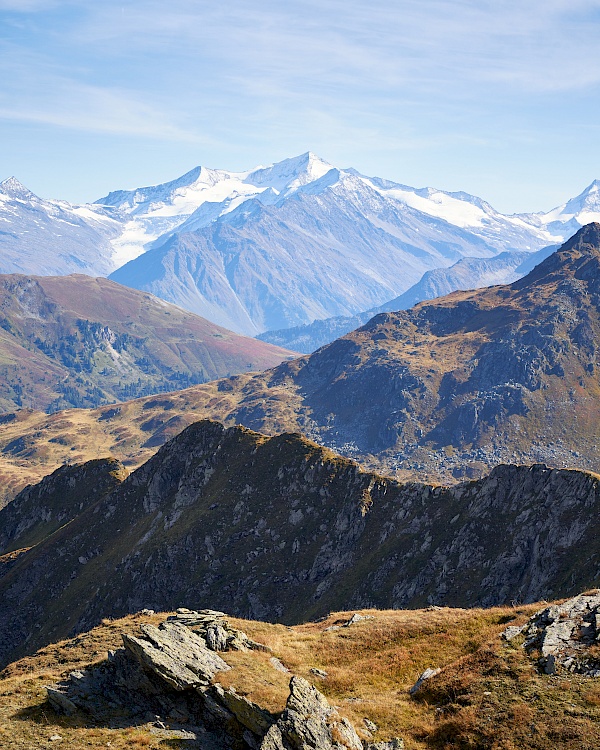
(310, 722)
(168, 673)
(563, 635)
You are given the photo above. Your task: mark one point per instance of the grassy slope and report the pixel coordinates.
(489, 694)
(505, 374)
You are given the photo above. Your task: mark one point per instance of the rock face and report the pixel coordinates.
(40, 510)
(563, 633)
(281, 529)
(170, 672)
(309, 722)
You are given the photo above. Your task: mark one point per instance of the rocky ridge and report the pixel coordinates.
(281, 529)
(442, 392)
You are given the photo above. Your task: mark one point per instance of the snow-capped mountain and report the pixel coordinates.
(567, 219)
(45, 237)
(274, 246)
(302, 240)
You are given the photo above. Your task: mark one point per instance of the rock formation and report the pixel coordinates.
(167, 676)
(561, 635)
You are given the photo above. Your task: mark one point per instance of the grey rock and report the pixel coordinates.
(370, 725)
(278, 665)
(309, 722)
(395, 744)
(563, 634)
(252, 716)
(358, 618)
(60, 702)
(319, 672)
(176, 654)
(512, 631)
(426, 675)
(216, 637)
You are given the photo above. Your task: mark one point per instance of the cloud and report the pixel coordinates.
(34, 91)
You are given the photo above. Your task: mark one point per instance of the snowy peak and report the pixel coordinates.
(14, 189)
(289, 174)
(579, 211)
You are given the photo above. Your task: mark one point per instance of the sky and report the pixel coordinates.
(499, 98)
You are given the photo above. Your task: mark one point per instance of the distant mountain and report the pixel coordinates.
(568, 218)
(44, 237)
(80, 341)
(316, 242)
(467, 273)
(272, 247)
(444, 390)
(279, 528)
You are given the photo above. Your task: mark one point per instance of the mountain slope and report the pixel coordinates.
(78, 341)
(279, 528)
(52, 237)
(447, 389)
(466, 273)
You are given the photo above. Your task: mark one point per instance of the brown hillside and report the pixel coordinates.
(488, 695)
(82, 341)
(281, 529)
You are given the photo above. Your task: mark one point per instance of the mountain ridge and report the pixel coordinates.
(79, 341)
(441, 392)
(280, 528)
(360, 218)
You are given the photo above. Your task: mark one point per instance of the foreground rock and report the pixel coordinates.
(563, 635)
(166, 676)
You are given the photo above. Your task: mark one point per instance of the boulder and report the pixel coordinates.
(310, 723)
(562, 635)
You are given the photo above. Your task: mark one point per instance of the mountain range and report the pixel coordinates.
(467, 273)
(443, 391)
(272, 247)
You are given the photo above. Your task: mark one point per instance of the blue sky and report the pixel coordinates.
(500, 99)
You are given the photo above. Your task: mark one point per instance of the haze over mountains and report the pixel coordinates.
(272, 247)
(467, 273)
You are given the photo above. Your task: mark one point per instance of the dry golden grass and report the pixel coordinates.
(488, 695)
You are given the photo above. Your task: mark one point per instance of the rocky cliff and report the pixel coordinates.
(279, 528)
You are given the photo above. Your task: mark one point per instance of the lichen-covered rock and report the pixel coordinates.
(176, 654)
(563, 634)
